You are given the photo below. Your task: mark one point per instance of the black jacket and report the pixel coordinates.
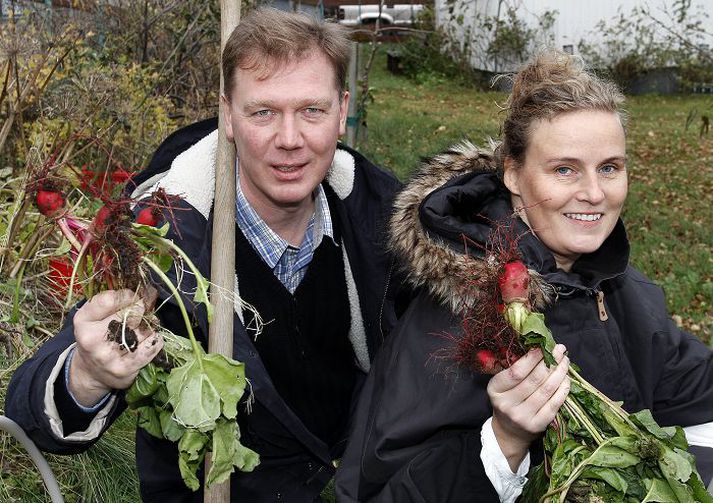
(416, 436)
(362, 195)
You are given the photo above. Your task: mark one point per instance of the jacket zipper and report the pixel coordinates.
(603, 316)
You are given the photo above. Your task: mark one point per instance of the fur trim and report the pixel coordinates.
(428, 261)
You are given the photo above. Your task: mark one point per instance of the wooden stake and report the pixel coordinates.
(220, 336)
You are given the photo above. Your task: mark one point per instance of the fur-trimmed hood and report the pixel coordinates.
(434, 234)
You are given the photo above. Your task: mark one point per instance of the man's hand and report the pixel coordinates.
(100, 365)
(525, 399)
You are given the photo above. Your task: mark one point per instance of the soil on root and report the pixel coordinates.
(116, 329)
(114, 334)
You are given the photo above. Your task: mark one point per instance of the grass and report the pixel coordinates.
(669, 210)
(669, 214)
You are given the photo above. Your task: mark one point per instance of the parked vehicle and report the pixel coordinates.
(393, 14)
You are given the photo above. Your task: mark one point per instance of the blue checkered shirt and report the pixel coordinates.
(288, 263)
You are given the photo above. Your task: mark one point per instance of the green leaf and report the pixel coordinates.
(537, 485)
(674, 466)
(195, 401)
(608, 455)
(163, 261)
(188, 470)
(223, 452)
(144, 386)
(700, 494)
(228, 378)
(191, 453)
(535, 324)
(149, 230)
(660, 492)
(149, 420)
(245, 459)
(608, 475)
(645, 420)
(192, 443)
(171, 429)
(678, 437)
(201, 294)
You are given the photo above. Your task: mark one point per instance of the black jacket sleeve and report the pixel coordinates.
(25, 400)
(684, 392)
(416, 432)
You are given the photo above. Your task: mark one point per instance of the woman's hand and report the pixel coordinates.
(525, 399)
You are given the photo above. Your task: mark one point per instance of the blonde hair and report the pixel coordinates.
(551, 84)
(267, 38)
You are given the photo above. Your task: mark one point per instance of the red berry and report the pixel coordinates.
(49, 202)
(514, 282)
(147, 217)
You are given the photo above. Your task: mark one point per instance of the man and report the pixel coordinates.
(308, 259)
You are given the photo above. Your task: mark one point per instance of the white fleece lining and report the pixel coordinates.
(192, 175)
(95, 427)
(357, 333)
(341, 175)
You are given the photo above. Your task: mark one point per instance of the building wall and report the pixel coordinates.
(576, 20)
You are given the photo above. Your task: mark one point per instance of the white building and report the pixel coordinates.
(472, 22)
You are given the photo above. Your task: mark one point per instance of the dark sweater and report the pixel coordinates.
(305, 335)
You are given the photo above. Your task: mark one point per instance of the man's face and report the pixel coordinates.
(285, 128)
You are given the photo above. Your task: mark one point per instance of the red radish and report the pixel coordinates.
(120, 175)
(101, 218)
(514, 282)
(147, 217)
(60, 274)
(49, 202)
(487, 360)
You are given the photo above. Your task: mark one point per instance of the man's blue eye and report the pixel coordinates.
(564, 170)
(262, 113)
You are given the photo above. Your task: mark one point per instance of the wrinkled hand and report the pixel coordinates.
(100, 365)
(525, 399)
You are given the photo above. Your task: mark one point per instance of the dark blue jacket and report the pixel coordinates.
(362, 200)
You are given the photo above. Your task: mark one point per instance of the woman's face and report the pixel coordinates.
(571, 187)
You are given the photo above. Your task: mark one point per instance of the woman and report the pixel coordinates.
(427, 430)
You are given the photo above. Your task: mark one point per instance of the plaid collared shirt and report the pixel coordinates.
(288, 263)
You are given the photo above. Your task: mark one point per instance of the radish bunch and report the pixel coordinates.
(184, 395)
(596, 451)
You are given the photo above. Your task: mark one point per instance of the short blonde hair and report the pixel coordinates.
(267, 38)
(551, 84)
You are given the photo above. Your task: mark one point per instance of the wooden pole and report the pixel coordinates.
(222, 273)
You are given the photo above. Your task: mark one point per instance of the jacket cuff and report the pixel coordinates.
(69, 421)
(700, 434)
(507, 484)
